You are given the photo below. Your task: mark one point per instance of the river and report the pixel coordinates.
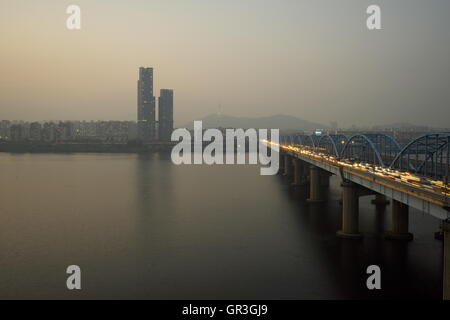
(140, 227)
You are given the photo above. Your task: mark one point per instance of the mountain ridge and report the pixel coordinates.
(278, 121)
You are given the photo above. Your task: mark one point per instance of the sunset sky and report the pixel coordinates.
(313, 59)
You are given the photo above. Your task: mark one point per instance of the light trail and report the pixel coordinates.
(436, 186)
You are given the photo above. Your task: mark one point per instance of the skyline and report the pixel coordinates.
(302, 59)
(146, 111)
(226, 155)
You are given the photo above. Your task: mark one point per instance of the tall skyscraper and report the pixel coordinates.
(146, 105)
(165, 114)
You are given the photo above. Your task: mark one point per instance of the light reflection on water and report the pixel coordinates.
(140, 227)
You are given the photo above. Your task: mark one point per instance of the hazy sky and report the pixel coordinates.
(314, 59)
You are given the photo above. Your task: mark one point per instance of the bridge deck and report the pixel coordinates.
(434, 203)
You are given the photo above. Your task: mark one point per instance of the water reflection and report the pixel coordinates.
(141, 227)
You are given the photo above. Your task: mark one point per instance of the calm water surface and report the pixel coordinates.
(140, 227)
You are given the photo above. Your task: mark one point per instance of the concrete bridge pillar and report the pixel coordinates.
(325, 178)
(400, 222)
(380, 200)
(446, 267)
(350, 211)
(288, 165)
(439, 235)
(299, 172)
(269, 149)
(281, 163)
(315, 190)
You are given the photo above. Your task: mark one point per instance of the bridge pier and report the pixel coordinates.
(288, 165)
(350, 211)
(315, 189)
(439, 235)
(269, 149)
(400, 222)
(380, 200)
(281, 163)
(446, 267)
(325, 178)
(299, 173)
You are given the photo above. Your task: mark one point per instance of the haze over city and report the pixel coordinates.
(258, 151)
(251, 58)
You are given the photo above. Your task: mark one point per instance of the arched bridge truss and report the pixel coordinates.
(427, 155)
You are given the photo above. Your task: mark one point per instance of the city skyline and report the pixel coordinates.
(148, 127)
(290, 58)
(165, 114)
(146, 111)
(226, 155)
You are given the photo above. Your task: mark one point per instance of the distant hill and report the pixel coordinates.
(282, 122)
(402, 126)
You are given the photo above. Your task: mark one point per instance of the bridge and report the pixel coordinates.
(414, 175)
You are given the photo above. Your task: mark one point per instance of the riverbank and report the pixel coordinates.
(84, 147)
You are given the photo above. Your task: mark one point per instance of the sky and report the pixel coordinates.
(314, 59)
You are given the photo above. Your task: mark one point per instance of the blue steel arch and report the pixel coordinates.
(297, 139)
(290, 140)
(306, 140)
(427, 155)
(287, 139)
(315, 139)
(332, 143)
(374, 148)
